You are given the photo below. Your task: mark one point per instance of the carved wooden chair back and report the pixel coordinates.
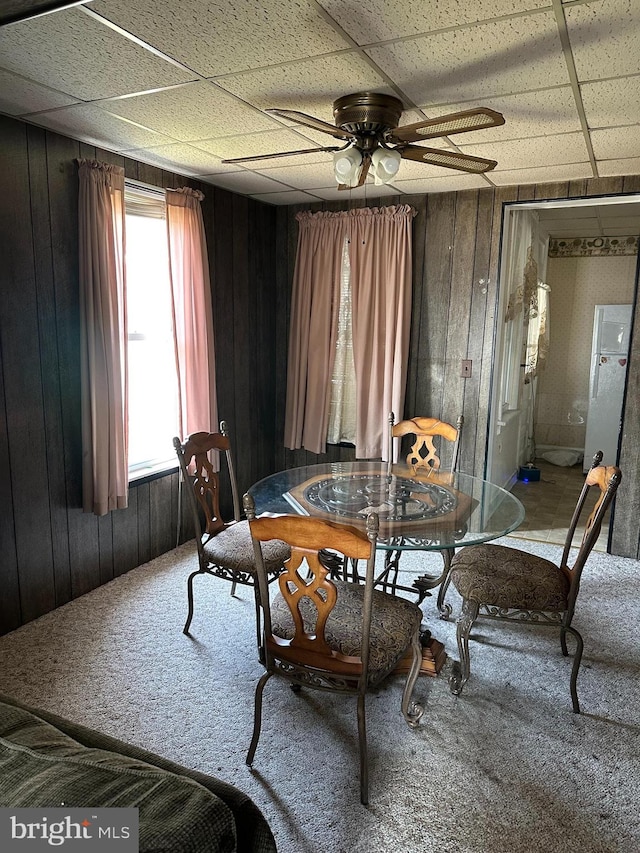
(199, 458)
(606, 479)
(424, 456)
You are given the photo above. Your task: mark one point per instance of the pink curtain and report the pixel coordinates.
(381, 275)
(103, 337)
(192, 312)
(313, 328)
(381, 271)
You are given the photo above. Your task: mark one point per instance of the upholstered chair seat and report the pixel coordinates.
(393, 623)
(507, 578)
(232, 549)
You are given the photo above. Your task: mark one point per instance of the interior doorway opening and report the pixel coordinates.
(522, 414)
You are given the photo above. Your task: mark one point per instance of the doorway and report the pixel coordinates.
(513, 437)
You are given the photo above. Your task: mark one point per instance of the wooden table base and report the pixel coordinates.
(433, 658)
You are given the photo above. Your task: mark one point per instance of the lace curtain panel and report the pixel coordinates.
(342, 403)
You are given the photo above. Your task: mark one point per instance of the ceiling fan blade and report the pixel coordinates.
(315, 123)
(282, 154)
(364, 171)
(448, 159)
(475, 119)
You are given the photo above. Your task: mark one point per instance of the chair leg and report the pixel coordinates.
(257, 717)
(576, 664)
(364, 758)
(256, 595)
(462, 669)
(412, 710)
(563, 640)
(445, 609)
(233, 587)
(187, 624)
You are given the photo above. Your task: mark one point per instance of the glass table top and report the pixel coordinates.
(416, 511)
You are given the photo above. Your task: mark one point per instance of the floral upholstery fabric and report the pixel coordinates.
(509, 578)
(393, 623)
(233, 549)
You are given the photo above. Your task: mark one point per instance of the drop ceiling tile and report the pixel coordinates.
(451, 182)
(605, 38)
(267, 142)
(610, 103)
(288, 197)
(528, 153)
(541, 175)
(244, 34)
(616, 142)
(180, 158)
(21, 97)
(79, 56)
(369, 192)
(310, 86)
(390, 19)
(303, 177)
(195, 111)
(246, 183)
(93, 125)
(628, 166)
(501, 57)
(542, 113)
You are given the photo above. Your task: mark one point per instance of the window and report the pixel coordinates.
(152, 377)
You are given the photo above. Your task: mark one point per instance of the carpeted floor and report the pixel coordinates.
(504, 768)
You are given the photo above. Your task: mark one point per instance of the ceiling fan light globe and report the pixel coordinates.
(385, 163)
(347, 165)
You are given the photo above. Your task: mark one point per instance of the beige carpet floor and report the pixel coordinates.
(504, 768)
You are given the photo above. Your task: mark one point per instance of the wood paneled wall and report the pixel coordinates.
(457, 244)
(50, 551)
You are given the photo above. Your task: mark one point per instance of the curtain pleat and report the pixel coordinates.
(313, 329)
(381, 269)
(192, 312)
(103, 337)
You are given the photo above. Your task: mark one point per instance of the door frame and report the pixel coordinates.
(491, 451)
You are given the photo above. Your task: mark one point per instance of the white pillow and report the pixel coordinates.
(563, 457)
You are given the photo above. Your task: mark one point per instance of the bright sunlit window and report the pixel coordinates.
(153, 391)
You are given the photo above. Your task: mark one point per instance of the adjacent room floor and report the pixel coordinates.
(549, 504)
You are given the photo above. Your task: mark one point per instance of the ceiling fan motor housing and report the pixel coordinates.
(367, 113)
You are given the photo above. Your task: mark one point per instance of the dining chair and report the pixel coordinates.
(499, 582)
(426, 452)
(225, 549)
(325, 633)
(430, 438)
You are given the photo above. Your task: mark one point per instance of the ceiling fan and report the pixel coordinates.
(367, 122)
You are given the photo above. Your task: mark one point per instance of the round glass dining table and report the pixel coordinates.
(417, 511)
